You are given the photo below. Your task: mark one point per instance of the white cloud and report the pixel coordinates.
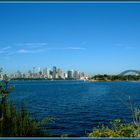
(23, 51)
(30, 51)
(125, 46)
(31, 48)
(75, 48)
(31, 44)
(129, 47)
(67, 48)
(4, 49)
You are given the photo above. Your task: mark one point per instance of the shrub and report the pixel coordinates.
(117, 129)
(16, 122)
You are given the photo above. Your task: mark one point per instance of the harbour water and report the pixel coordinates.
(78, 106)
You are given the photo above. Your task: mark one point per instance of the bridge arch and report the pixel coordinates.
(127, 71)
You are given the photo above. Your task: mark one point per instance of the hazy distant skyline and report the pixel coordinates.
(89, 37)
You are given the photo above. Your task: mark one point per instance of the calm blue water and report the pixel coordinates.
(77, 106)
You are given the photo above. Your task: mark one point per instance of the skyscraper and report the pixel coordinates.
(33, 72)
(70, 74)
(18, 74)
(76, 75)
(59, 73)
(30, 74)
(54, 72)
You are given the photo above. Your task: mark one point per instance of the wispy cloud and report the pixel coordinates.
(31, 44)
(47, 49)
(75, 48)
(23, 51)
(30, 51)
(125, 46)
(4, 49)
(34, 48)
(66, 48)
(129, 47)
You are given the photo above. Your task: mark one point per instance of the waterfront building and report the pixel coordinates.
(82, 74)
(11, 76)
(18, 74)
(23, 75)
(30, 75)
(70, 74)
(76, 75)
(54, 74)
(48, 74)
(65, 75)
(59, 73)
(40, 74)
(45, 73)
(33, 72)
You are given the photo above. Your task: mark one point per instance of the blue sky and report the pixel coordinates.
(90, 37)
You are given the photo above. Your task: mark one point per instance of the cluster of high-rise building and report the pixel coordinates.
(54, 73)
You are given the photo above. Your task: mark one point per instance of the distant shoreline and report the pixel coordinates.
(92, 81)
(113, 81)
(47, 80)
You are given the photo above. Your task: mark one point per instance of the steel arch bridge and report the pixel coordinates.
(127, 71)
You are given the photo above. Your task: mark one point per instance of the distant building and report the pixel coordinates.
(30, 75)
(82, 74)
(18, 74)
(59, 73)
(76, 75)
(70, 74)
(33, 72)
(23, 75)
(48, 74)
(40, 74)
(54, 74)
(65, 75)
(11, 76)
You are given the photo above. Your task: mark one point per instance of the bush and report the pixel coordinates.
(16, 122)
(117, 129)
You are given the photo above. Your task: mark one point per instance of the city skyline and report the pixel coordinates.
(91, 37)
(45, 73)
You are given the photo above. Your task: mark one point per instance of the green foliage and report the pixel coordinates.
(17, 122)
(47, 120)
(106, 77)
(64, 135)
(117, 129)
